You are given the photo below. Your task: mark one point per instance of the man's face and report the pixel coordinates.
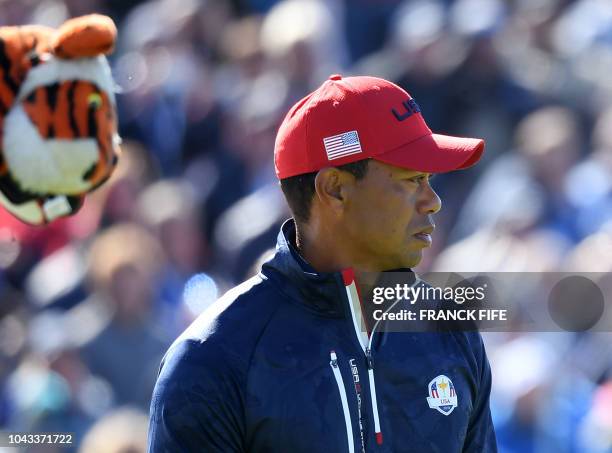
(388, 216)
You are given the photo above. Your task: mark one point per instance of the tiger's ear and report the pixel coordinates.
(19, 47)
(85, 36)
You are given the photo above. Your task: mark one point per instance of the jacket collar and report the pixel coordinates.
(320, 291)
(323, 292)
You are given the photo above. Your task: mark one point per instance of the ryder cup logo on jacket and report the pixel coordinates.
(442, 395)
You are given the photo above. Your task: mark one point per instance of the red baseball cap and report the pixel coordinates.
(354, 118)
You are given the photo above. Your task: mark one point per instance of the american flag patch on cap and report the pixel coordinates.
(341, 145)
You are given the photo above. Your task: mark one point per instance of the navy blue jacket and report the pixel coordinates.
(276, 365)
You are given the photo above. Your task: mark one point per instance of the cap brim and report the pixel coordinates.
(435, 153)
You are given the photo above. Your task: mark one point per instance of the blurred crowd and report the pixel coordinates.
(89, 304)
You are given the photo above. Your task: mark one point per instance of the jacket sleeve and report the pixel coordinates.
(197, 402)
(480, 436)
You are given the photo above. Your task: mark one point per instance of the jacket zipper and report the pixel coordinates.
(377, 430)
(352, 294)
(347, 415)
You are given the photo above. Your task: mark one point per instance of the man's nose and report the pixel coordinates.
(429, 201)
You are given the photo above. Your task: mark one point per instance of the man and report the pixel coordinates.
(278, 364)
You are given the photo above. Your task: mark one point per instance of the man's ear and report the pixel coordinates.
(332, 186)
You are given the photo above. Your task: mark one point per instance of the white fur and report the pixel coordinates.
(46, 166)
(95, 69)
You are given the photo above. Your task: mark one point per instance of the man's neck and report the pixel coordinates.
(325, 253)
(320, 251)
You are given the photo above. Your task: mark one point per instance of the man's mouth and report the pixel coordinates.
(424, 234)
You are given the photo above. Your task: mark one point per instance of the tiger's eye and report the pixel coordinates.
(94, 100)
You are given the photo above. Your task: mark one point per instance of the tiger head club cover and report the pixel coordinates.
(58, 123)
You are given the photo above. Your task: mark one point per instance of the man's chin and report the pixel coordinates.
(412, 259)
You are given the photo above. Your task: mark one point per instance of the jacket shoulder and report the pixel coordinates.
(198, 398)
(236, 319)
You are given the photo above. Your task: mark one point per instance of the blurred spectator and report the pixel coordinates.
(169, 209)
(124, 263)
(596, 429)
(121, 431)
(117, 198)
(303, 39)
(519, 207)
(242, 235)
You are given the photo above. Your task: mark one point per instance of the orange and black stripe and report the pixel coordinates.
(76, 109)
(69, 110)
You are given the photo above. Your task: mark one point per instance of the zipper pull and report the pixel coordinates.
(334, 359)
(370, 363)
(368, 353)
